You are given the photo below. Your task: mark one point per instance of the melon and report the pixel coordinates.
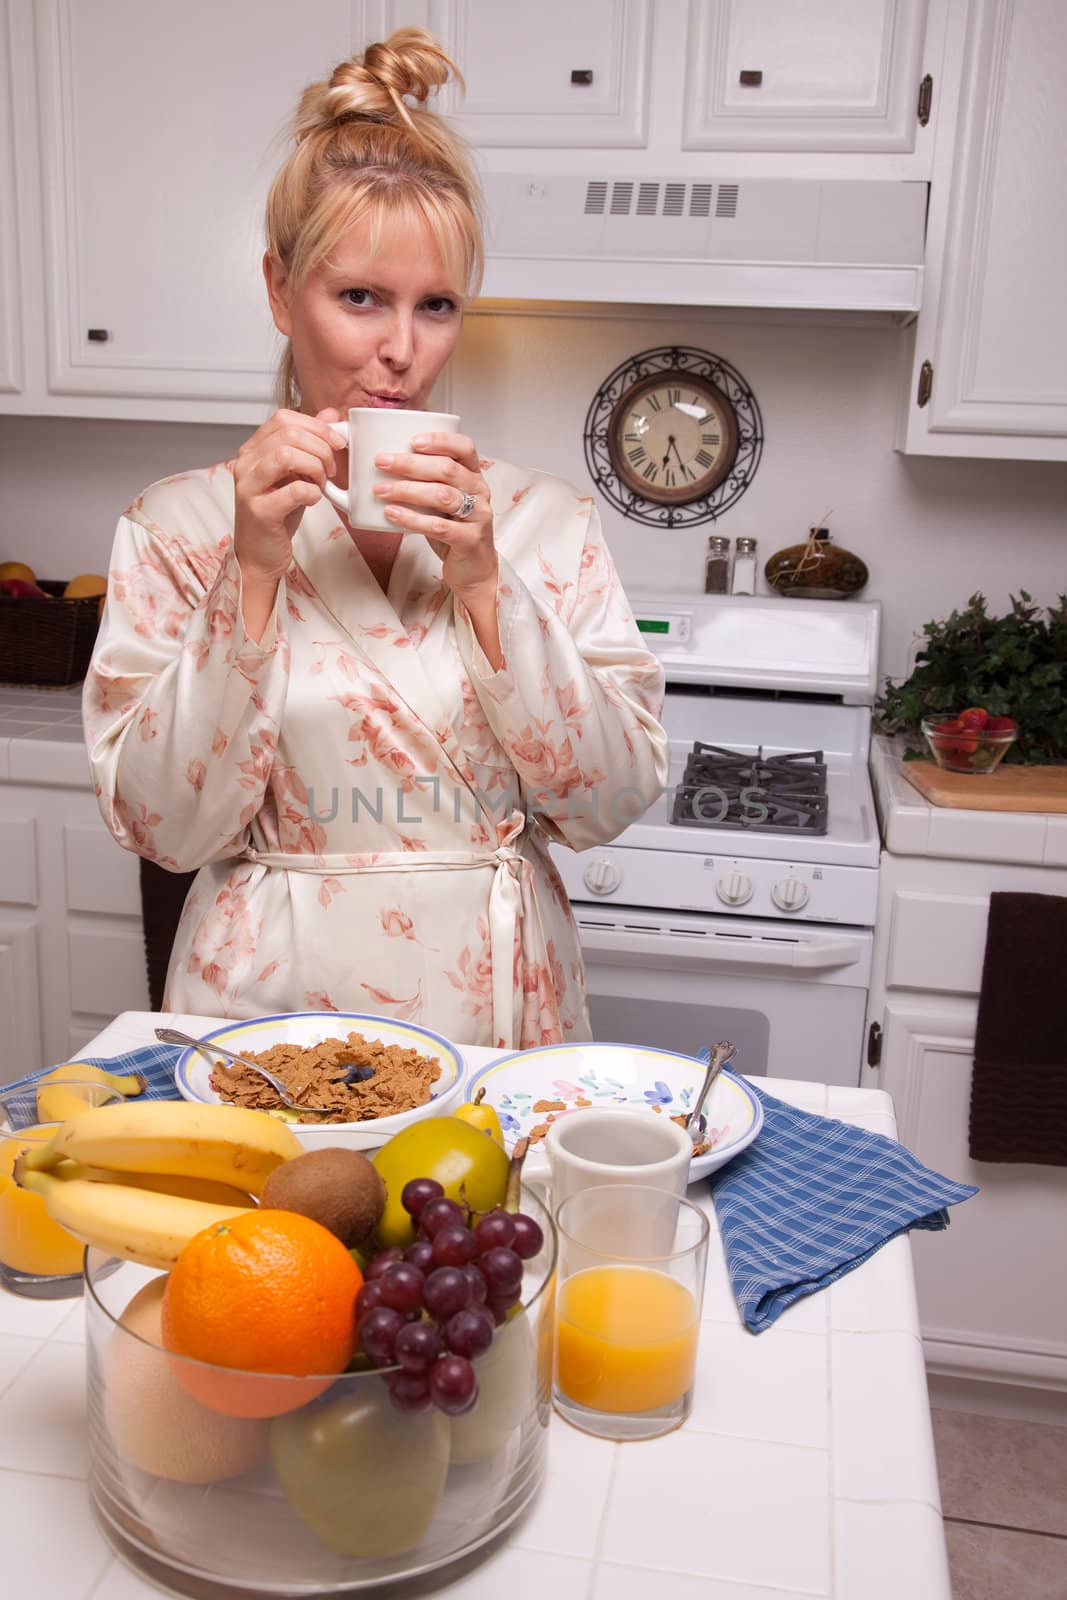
(154, 1423)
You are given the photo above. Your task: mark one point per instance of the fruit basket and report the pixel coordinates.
(47, 642)
(306, 1485)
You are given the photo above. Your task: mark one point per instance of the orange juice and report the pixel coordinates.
(29, 1240)
(626, 1339)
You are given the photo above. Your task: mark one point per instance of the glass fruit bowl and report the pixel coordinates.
(972, 748)
(336, 1490)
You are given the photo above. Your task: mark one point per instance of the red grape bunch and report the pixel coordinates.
(428, 1311)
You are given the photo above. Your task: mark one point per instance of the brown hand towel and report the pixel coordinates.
(162, 898)
(1019, 1088)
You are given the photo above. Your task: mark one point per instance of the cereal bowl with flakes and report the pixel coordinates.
(374, 1075)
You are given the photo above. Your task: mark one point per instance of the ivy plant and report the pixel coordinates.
(1013, 666)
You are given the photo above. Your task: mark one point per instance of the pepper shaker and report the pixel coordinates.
(744, 576)
(717, 565)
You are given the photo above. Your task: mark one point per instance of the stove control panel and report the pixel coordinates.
(739, 885)
(735, 889)
(790, 894)
(601, 876)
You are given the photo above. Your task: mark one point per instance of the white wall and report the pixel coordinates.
(932, 531)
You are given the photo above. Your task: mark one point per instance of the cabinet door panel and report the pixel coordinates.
(937, 942)
(517, 69)
(20, 998)
(107, 968)
(832, 74)
(1002, 361)
(989, 1304)
(160, 136)
(99, 875)
(18, 861)
(992, 330)
(10, 330)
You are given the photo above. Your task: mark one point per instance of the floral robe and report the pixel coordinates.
(368, 802)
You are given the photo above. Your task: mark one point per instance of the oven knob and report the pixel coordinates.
(734, 889)
(790, 894)
(602, 877)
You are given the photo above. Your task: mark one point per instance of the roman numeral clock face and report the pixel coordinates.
(672, 438)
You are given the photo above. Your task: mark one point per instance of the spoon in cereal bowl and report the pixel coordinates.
(696, 1123)
(175, 1036)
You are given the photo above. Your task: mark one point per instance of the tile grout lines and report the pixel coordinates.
(1007, 1527)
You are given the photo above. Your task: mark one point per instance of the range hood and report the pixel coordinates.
(817, 244)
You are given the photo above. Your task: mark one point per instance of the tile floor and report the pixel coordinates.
(1004, 1498)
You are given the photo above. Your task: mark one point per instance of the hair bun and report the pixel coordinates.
(409, 63)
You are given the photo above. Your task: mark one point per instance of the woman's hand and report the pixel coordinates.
(277, 474)
(426, 491)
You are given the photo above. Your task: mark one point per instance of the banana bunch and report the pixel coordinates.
(139, 1180)
(61, 1093)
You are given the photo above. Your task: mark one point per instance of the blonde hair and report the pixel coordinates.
(363, 155)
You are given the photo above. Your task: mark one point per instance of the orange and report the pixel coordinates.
(17, 569)
(265, 1292)
(84, 586)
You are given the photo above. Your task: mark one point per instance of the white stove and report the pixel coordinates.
(739, 920)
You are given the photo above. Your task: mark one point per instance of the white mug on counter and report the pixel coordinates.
(370, 431)
(616, 1144)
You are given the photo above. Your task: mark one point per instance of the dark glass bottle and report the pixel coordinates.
(818, 570)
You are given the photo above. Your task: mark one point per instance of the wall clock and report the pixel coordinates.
(673, 436)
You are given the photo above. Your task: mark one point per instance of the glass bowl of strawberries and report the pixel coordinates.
(969, 741)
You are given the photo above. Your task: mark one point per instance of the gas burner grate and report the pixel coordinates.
(757, 793)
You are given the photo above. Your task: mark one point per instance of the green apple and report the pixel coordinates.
(365, 1477)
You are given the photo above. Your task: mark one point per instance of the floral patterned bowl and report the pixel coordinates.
(529, 1089)
(192, 1075)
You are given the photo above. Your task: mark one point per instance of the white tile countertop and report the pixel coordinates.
(806, 1469)
(41, 739)
(912, 826)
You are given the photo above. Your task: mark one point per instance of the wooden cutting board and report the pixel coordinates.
(1007, 789)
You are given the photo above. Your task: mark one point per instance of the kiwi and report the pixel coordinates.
(335, 1186)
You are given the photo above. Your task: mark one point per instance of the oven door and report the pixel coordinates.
(792, 997)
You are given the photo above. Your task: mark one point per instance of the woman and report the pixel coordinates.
(363, 740)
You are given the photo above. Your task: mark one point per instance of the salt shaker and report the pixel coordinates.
(744, 575)
(717, 565)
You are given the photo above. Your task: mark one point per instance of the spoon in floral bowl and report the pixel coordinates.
(696, 1123)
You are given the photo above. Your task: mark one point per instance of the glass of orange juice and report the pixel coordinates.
(632, 1261)
(37, 1257)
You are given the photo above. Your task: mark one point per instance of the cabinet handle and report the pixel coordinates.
(751, 79)
(926, 384)
(926, 100)
(874, 1045)
(98, 335)
(582, 76)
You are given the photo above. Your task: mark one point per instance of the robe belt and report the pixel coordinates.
(511, 900)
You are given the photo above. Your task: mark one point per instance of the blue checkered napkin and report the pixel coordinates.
(811, 1199)
(156, 1061)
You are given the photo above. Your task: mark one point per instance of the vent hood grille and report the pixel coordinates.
(837, 244)
(658, 199)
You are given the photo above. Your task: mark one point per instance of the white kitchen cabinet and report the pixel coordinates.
(71, 943)
(992, 1303)
(565, 75)
(838, 75)
(160, 133)
(989, 374)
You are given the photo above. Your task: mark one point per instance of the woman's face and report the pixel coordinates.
(370, 329)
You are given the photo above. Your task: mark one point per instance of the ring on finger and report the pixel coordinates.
(465, 507)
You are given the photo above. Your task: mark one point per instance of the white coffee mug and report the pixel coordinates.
(370, 431)
(616, 1144)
